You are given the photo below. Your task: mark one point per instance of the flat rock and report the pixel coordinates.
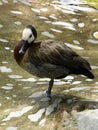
(88, 120)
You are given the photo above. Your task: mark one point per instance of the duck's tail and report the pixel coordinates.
(88, 73)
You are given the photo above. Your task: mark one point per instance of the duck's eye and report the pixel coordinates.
(30, 36)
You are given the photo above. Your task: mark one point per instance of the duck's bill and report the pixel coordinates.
(24, 47)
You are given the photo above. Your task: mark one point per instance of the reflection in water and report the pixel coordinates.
(17, 113)
(65, 24)
(15, 76)
(9, 87)
(74, 46)
(12, 128)
(95, 35)
(23, 103)
(92, 41)
(17, 22)
(3, 40)
(5, 69)
(16, 12)
(55, 30)
(48, 34)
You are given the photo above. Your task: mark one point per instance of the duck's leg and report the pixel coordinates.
(48, 92)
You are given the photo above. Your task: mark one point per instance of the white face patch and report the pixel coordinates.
(27, 35)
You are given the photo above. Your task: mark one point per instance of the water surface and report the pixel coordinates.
(23, 104)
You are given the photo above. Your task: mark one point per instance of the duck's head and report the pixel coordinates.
(29, 35)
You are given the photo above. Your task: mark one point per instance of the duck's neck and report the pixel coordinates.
(18, 57)
(20, 50)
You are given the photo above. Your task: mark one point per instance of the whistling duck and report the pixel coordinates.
(49, 58)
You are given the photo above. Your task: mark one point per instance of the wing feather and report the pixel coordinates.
(57, 53)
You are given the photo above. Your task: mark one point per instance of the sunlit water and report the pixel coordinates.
(23, 103)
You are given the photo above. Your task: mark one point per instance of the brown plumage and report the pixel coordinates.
(49, 58)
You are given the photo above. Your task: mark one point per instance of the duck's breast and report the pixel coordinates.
(46, 70)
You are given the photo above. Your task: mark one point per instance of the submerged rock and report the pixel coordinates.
(88, 120)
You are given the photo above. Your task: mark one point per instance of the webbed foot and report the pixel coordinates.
(48, 93)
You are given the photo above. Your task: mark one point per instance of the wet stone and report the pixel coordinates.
(36, 95)
(65, 116)
(50, 109)
(17, 113)
(88, 120)
(36, 116)
(42, 122)
(45, 99)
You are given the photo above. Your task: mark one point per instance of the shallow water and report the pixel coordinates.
(23, 103)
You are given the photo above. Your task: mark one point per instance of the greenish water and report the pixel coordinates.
(93, 3)
(23, 104)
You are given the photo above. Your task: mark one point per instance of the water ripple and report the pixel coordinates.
(1, 25)
(74, 46)
(7, 87)
(55, 30)
(11, 128)
(35, 10)
(3, 40)
(53, 16)
(15, 76)
(4, 69)
(44, 9)
(26, 2)
(29, 79)
(17, 22)
(93, 41)
(16, 12)
(42, 122)
(48, 34)
(64, 24)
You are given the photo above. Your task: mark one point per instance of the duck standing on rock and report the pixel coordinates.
(49, 58)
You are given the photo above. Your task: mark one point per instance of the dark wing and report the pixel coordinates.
(51, 52)
(59, 54)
